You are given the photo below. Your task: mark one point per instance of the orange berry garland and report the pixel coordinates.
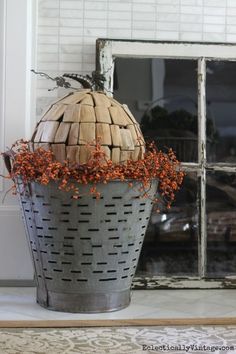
(40, 166)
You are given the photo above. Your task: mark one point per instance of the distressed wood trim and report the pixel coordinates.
(155, 282)
(202, 253)
(223, 167)
(202, 111)
(224, 321)
(168, 49)
(191, 167)
(105, 64)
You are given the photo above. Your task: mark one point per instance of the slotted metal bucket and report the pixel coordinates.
(85, 251)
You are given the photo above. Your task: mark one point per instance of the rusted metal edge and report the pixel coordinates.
(132, 52)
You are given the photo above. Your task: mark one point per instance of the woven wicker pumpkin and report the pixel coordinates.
(86, 116)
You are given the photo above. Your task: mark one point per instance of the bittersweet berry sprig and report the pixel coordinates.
(40, 166)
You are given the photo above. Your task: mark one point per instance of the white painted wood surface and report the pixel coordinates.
(15, 122)
(202, 259)
(171, 49)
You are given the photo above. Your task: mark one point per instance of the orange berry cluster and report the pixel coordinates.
(40, 166)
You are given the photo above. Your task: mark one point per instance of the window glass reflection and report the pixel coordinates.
(220, 96)
(221, 224)
(162, 94)
(171, 242)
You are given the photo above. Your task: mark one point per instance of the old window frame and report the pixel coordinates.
(106, 52)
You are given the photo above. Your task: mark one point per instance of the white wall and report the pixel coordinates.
(15, 105)
(67, 30)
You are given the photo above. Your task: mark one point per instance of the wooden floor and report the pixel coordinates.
(119, 323)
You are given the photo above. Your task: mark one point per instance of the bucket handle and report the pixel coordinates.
(7, 161)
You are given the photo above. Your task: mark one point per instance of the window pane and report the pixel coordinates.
(221, 108)
(162, 94)
(221, 224)
(170, 246)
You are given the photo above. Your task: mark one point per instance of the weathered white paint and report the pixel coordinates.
(184, 50)
(202, 161)
(178, 283)
(227, 167)
(105, 59)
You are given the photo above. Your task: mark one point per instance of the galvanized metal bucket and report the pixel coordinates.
(85, 251)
